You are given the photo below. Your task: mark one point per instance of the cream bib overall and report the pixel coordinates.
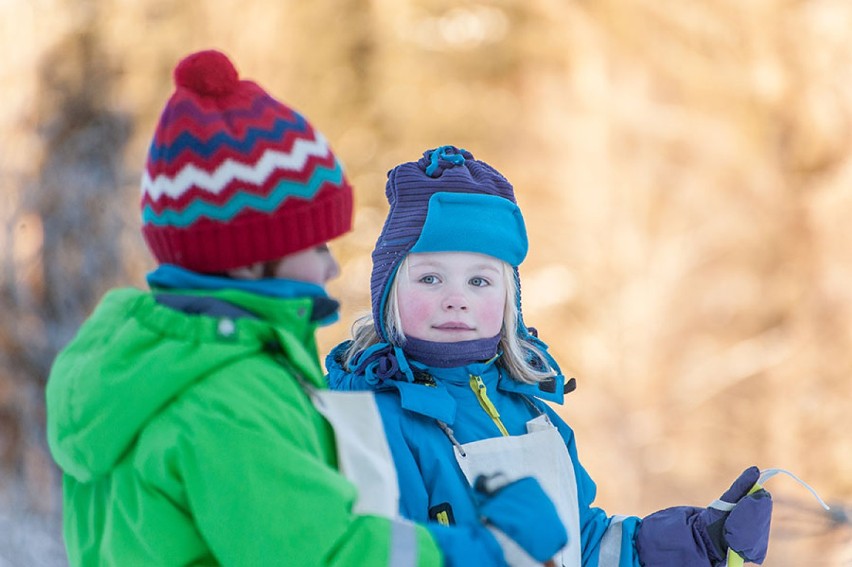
(540, 453)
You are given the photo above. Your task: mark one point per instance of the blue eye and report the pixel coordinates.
(479, 282)
(428, 279)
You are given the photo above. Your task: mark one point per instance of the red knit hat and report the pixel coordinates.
(235, 177)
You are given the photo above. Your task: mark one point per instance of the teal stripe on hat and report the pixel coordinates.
(240, 200)
(473, 222)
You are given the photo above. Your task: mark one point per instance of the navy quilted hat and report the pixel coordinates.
(447, 201)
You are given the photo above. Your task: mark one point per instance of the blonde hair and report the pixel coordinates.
(517, 351)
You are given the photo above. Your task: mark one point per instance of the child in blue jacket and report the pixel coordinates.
(461, 382)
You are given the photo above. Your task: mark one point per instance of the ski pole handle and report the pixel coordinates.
(734, 558)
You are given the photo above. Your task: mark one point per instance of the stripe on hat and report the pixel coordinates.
(241, 200)
(302, 176)
(192, 176)
(203, 123)
(188, 109)
(188, 141)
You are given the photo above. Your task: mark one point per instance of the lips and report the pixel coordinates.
(453, 326)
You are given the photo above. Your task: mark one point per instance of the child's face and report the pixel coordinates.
(315, 265)
(448, 297)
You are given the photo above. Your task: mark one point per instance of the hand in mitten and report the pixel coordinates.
(697, 537)
(740, 518)
(523, 511)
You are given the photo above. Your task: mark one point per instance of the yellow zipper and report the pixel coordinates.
(478, 387)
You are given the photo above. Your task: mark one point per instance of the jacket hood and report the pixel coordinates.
(128, 362)
(338, 378)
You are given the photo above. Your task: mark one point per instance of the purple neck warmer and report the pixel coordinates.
(448, 355)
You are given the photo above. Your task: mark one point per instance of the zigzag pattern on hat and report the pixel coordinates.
(189, 110)
(243, 200)
(231, 169)
(244, 135)
(252, 157)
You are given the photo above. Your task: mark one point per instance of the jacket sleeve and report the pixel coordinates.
(253, 466)
(607, 541)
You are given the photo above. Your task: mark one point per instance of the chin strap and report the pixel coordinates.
(380, 362)
(734, 559)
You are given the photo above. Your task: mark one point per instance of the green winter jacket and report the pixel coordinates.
(184, 441)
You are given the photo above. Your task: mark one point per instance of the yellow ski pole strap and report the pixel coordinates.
(734, 559)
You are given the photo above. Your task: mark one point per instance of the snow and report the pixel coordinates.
(29, 539)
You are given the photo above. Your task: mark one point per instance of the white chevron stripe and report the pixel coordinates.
(192, 176)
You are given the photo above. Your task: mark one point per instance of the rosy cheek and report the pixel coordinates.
(414, 315)
(492, 317)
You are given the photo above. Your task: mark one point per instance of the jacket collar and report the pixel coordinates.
(551, 390)
(427, 393)
(171, 279)
(433, 399)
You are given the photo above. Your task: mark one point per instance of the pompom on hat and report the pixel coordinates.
(235, 177)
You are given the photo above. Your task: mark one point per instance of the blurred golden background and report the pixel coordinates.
(685, 170)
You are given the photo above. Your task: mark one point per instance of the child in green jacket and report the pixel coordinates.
(186, 419)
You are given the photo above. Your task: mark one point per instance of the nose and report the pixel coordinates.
(333, 268)
(455, 301)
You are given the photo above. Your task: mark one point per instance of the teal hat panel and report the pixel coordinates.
(474, 222)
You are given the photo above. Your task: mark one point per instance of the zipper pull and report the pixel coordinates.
(482, 393)
(479, 388)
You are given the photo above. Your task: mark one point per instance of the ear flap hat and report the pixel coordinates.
(448, 201)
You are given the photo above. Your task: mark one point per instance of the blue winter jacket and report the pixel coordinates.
(432, 486)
